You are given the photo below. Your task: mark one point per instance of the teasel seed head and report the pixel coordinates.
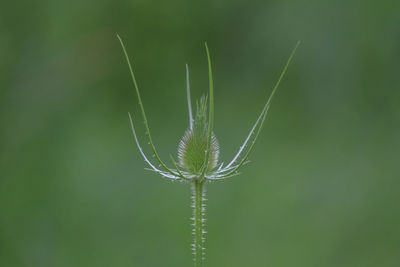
(193, 145)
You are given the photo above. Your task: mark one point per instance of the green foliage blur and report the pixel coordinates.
(323, 186)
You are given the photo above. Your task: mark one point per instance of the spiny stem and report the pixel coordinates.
(199, 209)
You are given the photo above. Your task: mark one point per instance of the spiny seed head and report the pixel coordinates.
(193, 145)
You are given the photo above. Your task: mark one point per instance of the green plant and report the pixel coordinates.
(199, 150)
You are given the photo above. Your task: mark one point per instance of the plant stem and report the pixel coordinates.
(199, 208)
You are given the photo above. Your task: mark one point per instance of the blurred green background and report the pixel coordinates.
(322, 189)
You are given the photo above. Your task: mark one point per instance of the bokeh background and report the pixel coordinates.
(322, 189)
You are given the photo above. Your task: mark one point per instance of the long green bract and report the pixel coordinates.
(211, 113)
(142, 110)
(261, 118)
(188, 98)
